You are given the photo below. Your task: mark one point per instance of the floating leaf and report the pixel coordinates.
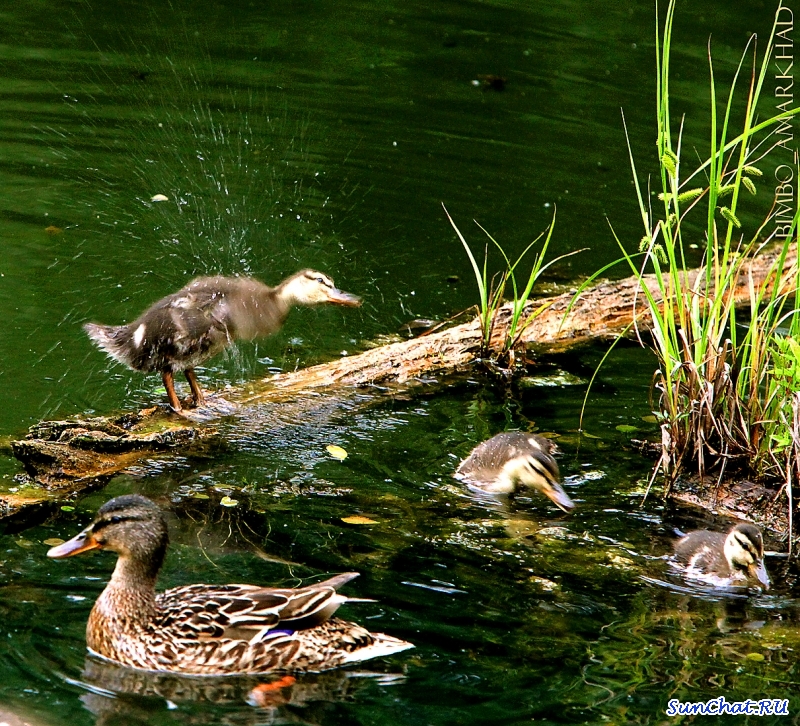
(67, 508)
(650, 419)
(53, 541)
(159, 198)
(52, 230)
(358, 519)
(755, 656)
(228, 502)
(337, 452)
(200, 495)
(23, 543)
(626, 428)
(589, 436)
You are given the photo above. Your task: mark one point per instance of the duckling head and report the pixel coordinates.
(539, 472)
(132, 526)
(744, 550)
(309, 287)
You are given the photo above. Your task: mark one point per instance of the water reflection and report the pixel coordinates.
(117, 695)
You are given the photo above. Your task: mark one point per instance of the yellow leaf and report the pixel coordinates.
(358, 519)
(53, 541)
(228, 502)
(337, 452)
(159, 198)
(755, 656)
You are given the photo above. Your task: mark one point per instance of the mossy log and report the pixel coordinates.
(62, 457)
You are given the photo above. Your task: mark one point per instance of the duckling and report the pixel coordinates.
(500, 464)
(182, 330)
(724, 560)
(209, 629)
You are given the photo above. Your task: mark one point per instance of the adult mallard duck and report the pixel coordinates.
(184, 329)
(502, 463)
(725, 560)
(209, 629)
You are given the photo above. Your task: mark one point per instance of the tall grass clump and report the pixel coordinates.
(727, 385)
(492, 289)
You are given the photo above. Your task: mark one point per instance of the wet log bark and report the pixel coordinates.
(63, 457)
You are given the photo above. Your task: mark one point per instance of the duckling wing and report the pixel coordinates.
(247, 612)
(487, 459)
(703, 552)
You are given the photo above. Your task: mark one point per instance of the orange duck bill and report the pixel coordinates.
(339, 297)
(81, 542)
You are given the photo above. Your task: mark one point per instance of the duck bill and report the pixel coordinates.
(339, 297)
(81, 542)
(559, 497)
(759, 572)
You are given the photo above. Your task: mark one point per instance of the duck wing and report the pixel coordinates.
(247, 612)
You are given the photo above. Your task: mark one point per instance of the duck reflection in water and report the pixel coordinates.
(119, 696)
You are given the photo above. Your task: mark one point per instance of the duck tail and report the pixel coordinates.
(381, 646)
(112, 339)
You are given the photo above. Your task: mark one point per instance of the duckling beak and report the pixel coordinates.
(339, 297)
(759, 572)
(558, 496)
(81, 542)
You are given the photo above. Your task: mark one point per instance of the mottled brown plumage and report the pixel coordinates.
(186, 328)
(724, 560)
(506, 461)
(209, 629)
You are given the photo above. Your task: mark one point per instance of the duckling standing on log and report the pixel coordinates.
(735, 559)
(499, 465)
(209, 629)
(185, 329)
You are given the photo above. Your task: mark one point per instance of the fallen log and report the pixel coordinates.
(63, 457)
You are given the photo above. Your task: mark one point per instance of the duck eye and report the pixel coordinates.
(115, 520)
(321, 280)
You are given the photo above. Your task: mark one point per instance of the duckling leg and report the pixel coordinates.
(169, 384)
(197, 392)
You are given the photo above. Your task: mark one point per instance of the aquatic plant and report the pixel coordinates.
(491, 293)
(720, 401)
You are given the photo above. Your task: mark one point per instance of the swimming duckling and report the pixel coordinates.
(209, 629)
(735, 559)
(184, 329)
(499, 465)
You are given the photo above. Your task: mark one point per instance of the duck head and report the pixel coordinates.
(132, 526)
(744, 550)
(309, 287)
(538, 471)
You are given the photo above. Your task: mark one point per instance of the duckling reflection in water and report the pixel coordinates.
(182, 330)
(513, 459)
(732, 560)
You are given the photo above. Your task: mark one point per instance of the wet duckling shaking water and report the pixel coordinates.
(190, 326)
(506, 461)
(724, 560)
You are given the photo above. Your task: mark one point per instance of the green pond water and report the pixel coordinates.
(328, 135)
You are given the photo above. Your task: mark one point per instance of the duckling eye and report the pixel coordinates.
(115, 520)
(321, 280)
